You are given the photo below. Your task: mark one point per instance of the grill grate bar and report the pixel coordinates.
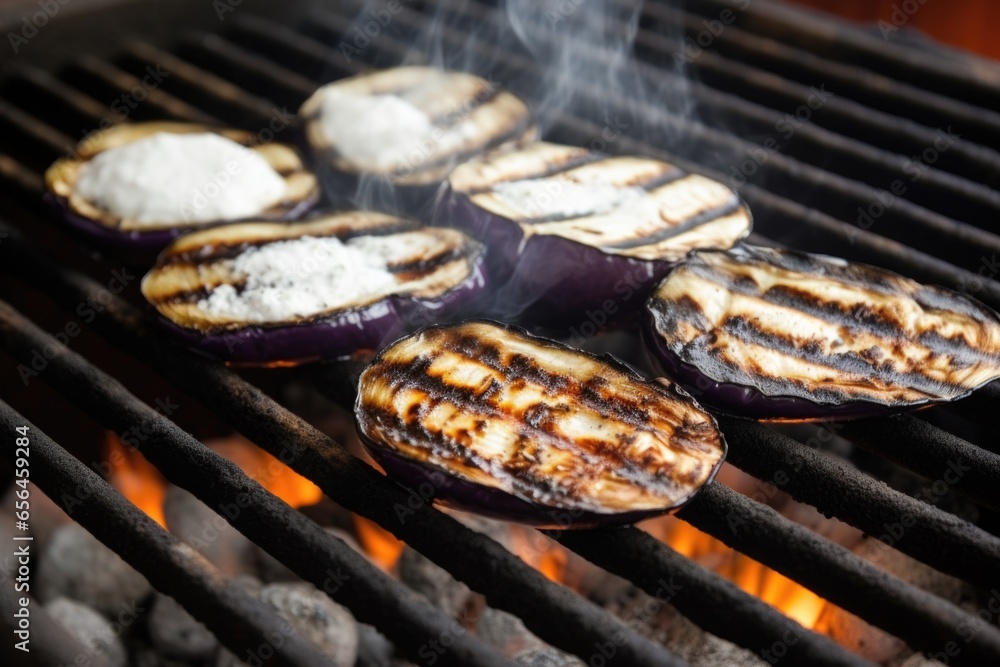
(811, 144)
(796, 225)
(53, 645)
(839, 114)
(88, 73)
(699, 593)
(932, 452)
(222, 98)
(922, 619)
(512, 585)
(973, 83)
(226, 608)
(410, 622)
(946, 237)
(236, 411)
(935, 537)
(875, 90)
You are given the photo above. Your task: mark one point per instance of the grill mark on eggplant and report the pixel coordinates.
(862, 317)
(405, 272)
(649, 184)
(548, 171)
(848, 362)
(405, 403)
(702, 218)
(909, 361)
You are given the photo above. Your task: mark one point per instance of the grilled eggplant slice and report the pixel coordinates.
(265, 293)
(784, 335)
(295, 189)
(510, 425)
(575, 232)
(387, 139)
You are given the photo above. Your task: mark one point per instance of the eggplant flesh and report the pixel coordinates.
(506, 424)
(405, 128)
(784, 335)
(301, 188)
(327, 287)
(568, 230)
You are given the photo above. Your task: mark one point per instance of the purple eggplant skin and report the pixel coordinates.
(134, 247)
(337, 337)
(847, 402)
(459, 494)
(433, 482)
(551, 282)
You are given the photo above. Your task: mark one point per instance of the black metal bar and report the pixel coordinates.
(229, 610)
(480, 562)
(777, 217)
(701, 595)
(89, 73)
(413, 624)
(976, 123)
(924, 620)
(972, 79)
(49, 643)
(916, 528)
(241, 404)
(932, 452)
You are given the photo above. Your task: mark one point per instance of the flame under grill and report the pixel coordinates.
(884, 104)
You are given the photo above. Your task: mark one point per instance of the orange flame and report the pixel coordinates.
(134, 477)
(794, 600)
(268, 471)
(139, 480)
(378, 543)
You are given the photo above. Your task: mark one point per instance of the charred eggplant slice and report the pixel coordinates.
(785, 335)
(390, 137)
(266, 293)
(575, 232)
(510, 425)
(138, 186)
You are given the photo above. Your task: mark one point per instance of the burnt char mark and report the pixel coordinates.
(862, 317)
(421, 267)
(670, 176)
(548, 170)
(846, 363)
(704, 217)
(859, 316)
(447, 120)
(518, 473)
(851, 274)
(522, 366)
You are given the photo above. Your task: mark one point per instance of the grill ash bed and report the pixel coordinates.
(874, 108)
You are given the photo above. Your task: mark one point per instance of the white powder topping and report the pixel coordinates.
(303, 277)
(384, 132)
(549, 197)
(174, 178)
(376, 130)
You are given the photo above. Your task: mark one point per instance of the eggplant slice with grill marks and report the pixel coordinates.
(121, 187)
(387, 139)
(572, 232)
(268, 293)
(510, 425)
(784, 335)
